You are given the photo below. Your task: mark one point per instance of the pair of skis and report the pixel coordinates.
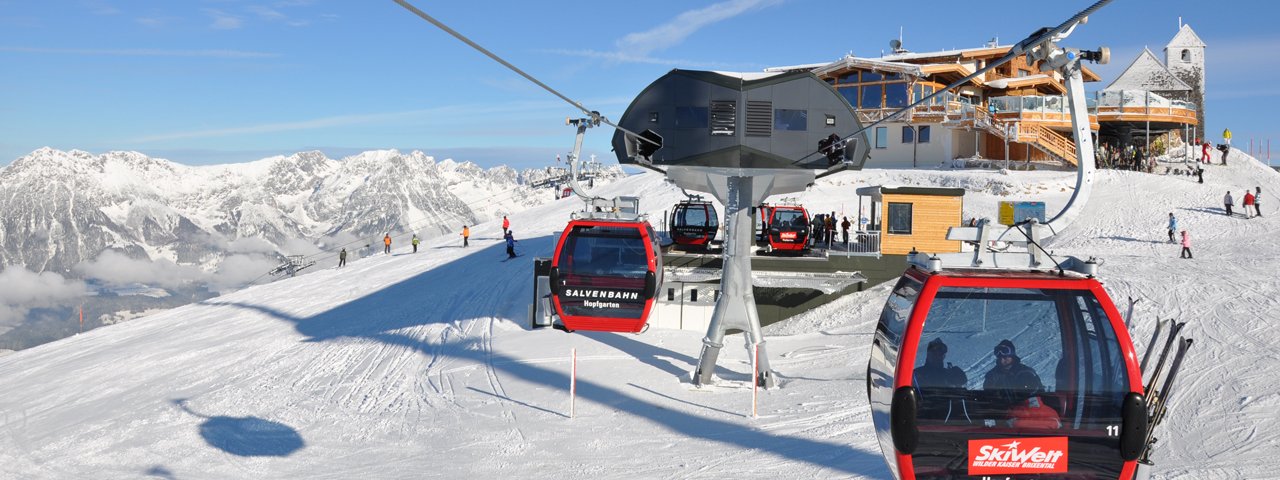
(1158, 388)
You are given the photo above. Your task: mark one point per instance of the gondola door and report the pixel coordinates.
(1019, 376)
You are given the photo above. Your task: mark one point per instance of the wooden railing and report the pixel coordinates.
(1048, 140)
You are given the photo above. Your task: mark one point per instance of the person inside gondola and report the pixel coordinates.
(941, 388)
(1014, 388)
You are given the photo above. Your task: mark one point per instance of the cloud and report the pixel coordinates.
(223, 20)
(674, 32)
(98, 7)
(142, 52)
(115, 268)
(249, 245)
(22, 290)
(236, 271)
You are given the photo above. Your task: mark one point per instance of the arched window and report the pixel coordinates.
(1186, 55)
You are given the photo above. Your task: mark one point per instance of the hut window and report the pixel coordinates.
(923, 137)
(691, 117)
(882, 137)
(899, 218)
(908, 134)
(790, 120)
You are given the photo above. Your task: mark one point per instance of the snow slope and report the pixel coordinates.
(421, 365)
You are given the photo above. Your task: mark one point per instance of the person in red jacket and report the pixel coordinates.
(1248, 202)
(506, 225)
(1204, 152)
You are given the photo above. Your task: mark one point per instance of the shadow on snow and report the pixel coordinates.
(458, 291)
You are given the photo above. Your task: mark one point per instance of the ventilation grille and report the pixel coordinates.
(759, 119)
(724, 117)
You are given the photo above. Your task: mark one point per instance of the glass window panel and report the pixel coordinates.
(924, 134)
(908, 134)
(895, 95)
(871, 76)
(882, 137)
(892, 76)
(871, 96)
(790, 120)
(691, 117)
(851, 77)
(850, 94)
(899, 217)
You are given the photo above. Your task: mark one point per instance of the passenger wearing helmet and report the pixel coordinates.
(1015, 388)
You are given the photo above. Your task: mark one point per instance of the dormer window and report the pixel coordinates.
(1186, 55)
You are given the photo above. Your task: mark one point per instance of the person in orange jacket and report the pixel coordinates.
(466, 234)
(386, 244)
(506, 225)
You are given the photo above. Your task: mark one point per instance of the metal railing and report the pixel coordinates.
(860, 243)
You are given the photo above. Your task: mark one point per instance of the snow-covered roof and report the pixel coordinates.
(1186, 37)
(1019, 81)
(850, 61)
(944, 53)
(1147, 73)
(749, 76)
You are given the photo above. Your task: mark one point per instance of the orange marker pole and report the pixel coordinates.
(82, 319)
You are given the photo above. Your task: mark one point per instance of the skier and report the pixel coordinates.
(1248, 202)
(511, 245)
(1204, 152)
(506, 225)
(415, 243)
(844, 229)
(466, 234)
(1173, 226)
(1199, 174)
(386, 244)
(1226, 136)
(1225, 149)
(1257, 202)
(342, 258)
(1227, 202)
(1186, 245)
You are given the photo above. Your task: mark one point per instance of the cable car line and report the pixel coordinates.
(595, 116)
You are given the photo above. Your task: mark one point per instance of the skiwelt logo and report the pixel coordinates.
(788, 236)
(1018, 455)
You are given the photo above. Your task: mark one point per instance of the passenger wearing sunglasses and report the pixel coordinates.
(1014, 388)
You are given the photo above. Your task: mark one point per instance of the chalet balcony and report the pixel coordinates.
(1143, 106)
(1052, 111)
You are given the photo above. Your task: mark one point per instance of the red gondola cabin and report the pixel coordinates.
(1020, 374)
(604, 275)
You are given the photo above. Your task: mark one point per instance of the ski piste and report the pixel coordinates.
(1158, 401)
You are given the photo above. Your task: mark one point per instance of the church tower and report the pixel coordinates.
(1184, 57)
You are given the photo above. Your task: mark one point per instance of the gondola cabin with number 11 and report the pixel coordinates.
(1004, 373)
(605, 274)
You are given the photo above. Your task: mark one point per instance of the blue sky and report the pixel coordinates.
(220, 81)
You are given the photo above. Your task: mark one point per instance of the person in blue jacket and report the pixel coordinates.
(1173, 226)
(511, 244)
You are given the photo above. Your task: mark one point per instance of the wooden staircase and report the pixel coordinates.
(1047, 140)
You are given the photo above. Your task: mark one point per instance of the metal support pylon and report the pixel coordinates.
(738, 190)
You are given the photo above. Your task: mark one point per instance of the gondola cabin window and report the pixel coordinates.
(899, 216)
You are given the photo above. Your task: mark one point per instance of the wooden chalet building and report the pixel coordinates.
(1013, 112)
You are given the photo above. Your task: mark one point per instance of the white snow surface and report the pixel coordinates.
(423, 365)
